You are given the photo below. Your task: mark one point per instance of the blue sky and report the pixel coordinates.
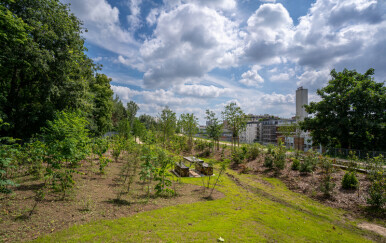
(193, 55)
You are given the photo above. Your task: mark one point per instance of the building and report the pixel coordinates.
(301, 100)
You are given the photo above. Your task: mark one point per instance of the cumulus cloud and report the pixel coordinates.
(270, 31)
(184, 48)
(251, 77)
(202, 91)
(341, 33)
(134, 18)
(284, 76)
(313, 79)
(102, 23)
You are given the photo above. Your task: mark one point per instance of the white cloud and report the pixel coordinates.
(270, 31)
(102, 23)
(285, 76)
(202, 91)
(184, 48)
(134, 18)
(313, 79)
(152, 16)
(252, 77)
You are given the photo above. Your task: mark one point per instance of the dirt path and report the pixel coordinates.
(373, 227)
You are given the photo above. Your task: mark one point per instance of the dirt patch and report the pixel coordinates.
(93, 198)
(373, 227)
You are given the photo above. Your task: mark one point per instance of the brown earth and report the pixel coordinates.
(91, 199)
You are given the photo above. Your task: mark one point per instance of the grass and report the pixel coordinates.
(254, 209)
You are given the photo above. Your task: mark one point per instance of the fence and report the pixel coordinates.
(345, 153)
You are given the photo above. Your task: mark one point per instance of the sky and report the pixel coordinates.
(193, 55)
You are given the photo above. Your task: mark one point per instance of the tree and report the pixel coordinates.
(119, 112)
(43, 65)
(131, 111)
(214, 127)
(103, 105)
(189, 124)
(148, 121)
(351, 113)
(235, 119)
(167, 123)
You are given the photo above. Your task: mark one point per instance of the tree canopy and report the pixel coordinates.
(214, 127)
(351, 113)
(44, 68)
(235, 118)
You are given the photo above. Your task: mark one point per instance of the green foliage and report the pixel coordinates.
(147, 167)
(66, 139)
(326, 185)
(214, 127)
(103, 162)
(138, 128)
(235, 118)
(167, 123)
(103, 104)
(350, 181)
(7, 155)
(45, 69)
(131, 111)
(279, 157)
(295, 164)
(238, 156)
(374, 167)
(118, 113)
(268, 160)
(377, 193)
(351, 113)
(309, 162)
(161, 174)
(189, 125)
(253, 152)
(118, 146)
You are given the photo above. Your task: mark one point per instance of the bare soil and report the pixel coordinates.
(91, 199)
(353, 201)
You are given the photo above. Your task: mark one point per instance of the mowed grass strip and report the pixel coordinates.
(269, 213)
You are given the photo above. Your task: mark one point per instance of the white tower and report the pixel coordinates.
(301, 100)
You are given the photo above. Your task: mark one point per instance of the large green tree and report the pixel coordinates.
(351, 113)
(43, 65)
(103, 104)
(235, 120)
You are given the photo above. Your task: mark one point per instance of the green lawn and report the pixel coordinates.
(256, 209)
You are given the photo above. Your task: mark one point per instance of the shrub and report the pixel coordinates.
(377, 194)
(253, 152)
(295, 164)
(279, 157)
(327, 185)
(238, 156)
(268, 161)
(205, 153)
(308, 164)
(350, 181)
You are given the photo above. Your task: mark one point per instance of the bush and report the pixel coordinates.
(327, 185)
(295, 164)
(350, 181)
(268, 161)
(377, 194)
(238, 156)
(308, 164)
(253, 152)
(279, 157)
